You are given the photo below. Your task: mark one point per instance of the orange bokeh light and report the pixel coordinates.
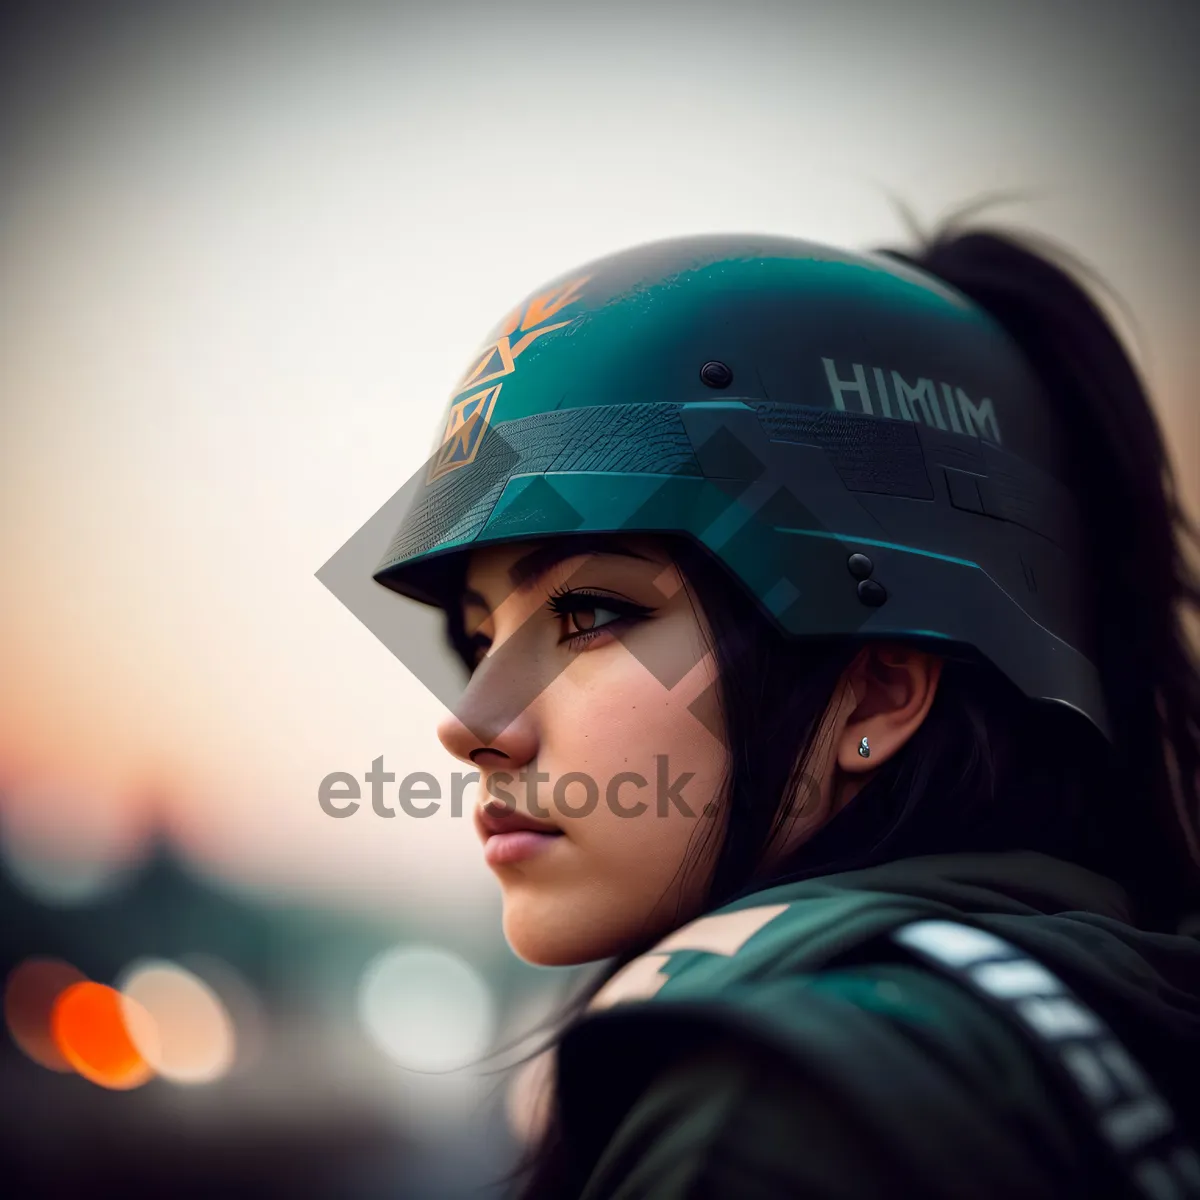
(88, 1024)
(29, 996)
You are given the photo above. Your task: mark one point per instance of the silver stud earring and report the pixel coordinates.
(863, 749)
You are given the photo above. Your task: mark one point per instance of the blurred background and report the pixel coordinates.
(245, 253)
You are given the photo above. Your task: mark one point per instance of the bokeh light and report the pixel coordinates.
(56, 877)
(241, 1001)
(426, 1009)
(189, 1038)
(89, 1026)
(30, 992)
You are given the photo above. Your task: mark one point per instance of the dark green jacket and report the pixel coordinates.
(786, 1046)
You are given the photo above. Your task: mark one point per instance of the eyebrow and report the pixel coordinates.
(528, 569)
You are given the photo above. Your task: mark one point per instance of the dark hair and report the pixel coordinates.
(988, 769)
(1143, 578)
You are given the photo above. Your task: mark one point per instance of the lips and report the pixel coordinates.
(509, 820)
(507, 849)
(510, 837)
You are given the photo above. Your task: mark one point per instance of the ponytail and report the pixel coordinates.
(1144, 587)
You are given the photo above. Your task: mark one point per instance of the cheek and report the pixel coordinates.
(619, 875)
(615, 717)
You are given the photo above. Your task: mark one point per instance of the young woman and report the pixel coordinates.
(828, 676)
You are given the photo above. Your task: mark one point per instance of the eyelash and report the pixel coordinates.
(562, 604)
(567, 601)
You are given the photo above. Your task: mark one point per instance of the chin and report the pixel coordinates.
(543, 937)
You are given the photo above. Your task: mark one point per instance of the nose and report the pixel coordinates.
(485, 739)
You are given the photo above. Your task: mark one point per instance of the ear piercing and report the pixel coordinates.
(863, 749)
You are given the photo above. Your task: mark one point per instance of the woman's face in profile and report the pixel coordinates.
(592, 708)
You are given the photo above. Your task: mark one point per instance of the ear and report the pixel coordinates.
(889, 689)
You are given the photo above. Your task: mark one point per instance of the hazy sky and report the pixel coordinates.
(244, 255)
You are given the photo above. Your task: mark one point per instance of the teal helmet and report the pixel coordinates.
(864, 448)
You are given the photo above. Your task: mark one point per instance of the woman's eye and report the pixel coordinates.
(586, 620)
(585, 615)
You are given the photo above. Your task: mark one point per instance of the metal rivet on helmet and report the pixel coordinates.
(716, 374)
(871, 593)
(860, 566)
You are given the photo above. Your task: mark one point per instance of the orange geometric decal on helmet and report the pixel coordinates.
(468, 419)
(542, 308)
(498, 358)
(494, 361)
(464, 431)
